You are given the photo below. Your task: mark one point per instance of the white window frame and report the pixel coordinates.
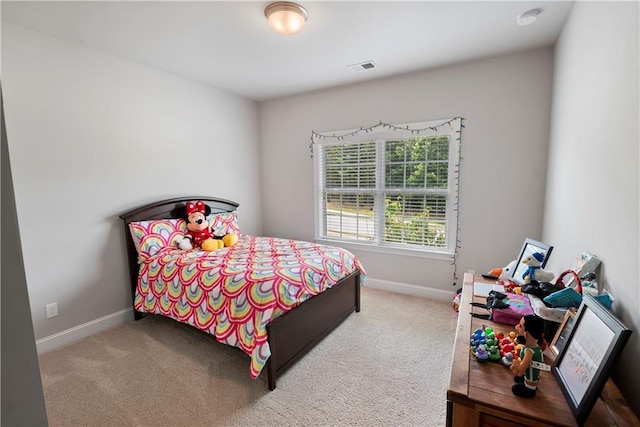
(379, 134)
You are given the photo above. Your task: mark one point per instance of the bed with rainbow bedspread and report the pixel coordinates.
(273, 298)
(233, 293)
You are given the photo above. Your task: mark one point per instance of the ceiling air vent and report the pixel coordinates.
(363, 66)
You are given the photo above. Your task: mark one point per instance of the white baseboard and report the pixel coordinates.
(76, 333)
(405, 288)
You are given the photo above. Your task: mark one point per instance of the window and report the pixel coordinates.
(389, 186)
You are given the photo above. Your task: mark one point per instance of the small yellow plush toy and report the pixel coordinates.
(213, 244)
(230, 239)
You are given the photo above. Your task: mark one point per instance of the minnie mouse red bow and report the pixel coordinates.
(195, 207)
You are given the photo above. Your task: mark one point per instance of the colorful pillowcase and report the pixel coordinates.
(150, 237)
(224, 223)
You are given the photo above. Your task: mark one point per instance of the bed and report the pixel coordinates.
(202, 289)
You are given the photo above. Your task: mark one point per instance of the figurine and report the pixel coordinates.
(527, 370)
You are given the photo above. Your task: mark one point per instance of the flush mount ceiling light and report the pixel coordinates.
(528, 17)
(286, 17)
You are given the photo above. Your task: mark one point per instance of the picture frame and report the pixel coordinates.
(583, 364)
(586, 263)
(529, 247)
(560, 338)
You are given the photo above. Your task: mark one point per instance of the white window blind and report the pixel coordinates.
(389, 187)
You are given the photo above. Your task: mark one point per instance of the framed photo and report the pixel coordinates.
(592, 346)
(529, 247)
(586, 263)
(560, 339)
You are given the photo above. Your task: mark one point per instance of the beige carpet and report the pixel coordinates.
(387, 365)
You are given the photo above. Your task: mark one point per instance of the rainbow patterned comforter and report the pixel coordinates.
(233, 293)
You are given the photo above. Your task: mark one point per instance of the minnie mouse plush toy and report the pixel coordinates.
(199, 232)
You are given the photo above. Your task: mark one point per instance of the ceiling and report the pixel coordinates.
(229, 45)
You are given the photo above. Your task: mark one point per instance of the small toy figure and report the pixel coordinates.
(484, 344)
(534, 270)
(527, 370)
(482, 355)
(457, 299)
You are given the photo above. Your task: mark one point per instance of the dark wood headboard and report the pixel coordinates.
(164, 209)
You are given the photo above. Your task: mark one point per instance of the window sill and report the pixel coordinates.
(390, 250)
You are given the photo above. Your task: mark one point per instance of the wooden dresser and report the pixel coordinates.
(480, 394)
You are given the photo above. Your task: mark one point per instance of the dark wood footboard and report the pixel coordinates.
(296, 332)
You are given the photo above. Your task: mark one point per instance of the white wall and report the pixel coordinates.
(506, 101)
(91, 136)
(592, 197)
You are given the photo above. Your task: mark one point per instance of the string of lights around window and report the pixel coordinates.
(317, 136)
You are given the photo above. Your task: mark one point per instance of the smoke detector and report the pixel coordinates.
(363, 66)
(528, 17)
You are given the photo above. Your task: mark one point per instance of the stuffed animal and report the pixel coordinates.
(504, 274)
(534, 271)
(199, 232)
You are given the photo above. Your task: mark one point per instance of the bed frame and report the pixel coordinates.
(291, 335)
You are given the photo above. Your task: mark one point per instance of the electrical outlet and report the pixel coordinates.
(52, 310)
